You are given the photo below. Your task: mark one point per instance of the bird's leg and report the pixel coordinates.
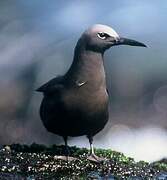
(93, 157)
(66, 147)
(67, 152)
(91, 145)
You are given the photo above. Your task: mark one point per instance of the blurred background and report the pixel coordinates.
(37, 39)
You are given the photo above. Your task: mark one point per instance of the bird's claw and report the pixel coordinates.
(95, 158)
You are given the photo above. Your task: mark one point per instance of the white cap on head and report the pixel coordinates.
(103, 28)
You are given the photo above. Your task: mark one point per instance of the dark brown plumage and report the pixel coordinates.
(76, 104)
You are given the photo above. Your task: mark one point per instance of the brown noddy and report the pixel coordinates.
(76, 104)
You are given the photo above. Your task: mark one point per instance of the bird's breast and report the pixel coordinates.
(86, 99)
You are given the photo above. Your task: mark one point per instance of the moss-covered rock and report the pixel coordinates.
(39, 162)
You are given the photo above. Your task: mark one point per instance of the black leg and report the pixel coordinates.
(67, 152)
(66, 146)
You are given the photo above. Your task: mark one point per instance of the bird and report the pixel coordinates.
(77, 103)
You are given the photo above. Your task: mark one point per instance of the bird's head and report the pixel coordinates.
(101, 37)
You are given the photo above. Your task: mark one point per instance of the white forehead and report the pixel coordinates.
(103, 28)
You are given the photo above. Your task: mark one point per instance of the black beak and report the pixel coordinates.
(130, 42)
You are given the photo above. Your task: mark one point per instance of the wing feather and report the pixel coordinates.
(52, 86)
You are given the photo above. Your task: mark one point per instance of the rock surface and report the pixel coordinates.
(38, 162)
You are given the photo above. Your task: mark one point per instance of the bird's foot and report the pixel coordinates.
(95, 158)
(65, 158)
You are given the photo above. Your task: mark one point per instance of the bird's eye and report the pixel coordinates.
(102, 35)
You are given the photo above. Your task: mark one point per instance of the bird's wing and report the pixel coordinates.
(52, 86)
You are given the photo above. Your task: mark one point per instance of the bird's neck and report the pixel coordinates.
(87, 66)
